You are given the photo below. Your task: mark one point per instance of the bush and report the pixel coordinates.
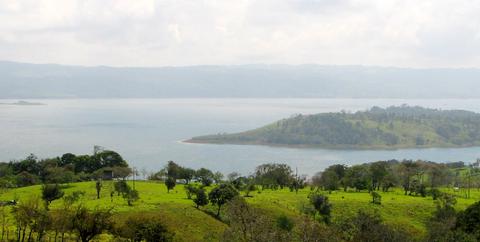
(51, 192)
(376, 198)
(190, 190)
(201, 198)
(322, 206)
(143, 227)
(221, 195)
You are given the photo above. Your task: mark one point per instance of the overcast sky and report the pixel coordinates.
(408, 33)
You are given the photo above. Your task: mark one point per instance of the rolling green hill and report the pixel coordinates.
(377, 128)
(191, 224)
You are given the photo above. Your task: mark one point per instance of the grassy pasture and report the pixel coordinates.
(191, 224)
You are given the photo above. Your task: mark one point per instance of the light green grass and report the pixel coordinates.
(190, 224)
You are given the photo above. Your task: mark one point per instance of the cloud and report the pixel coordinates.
(429, 33)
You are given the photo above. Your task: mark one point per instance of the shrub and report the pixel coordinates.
(51, 192)
(201, 198)
(221, 195)
(143, 227)
(322, 206)
(376, 198)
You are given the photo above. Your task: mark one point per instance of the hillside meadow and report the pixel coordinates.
(191, 224)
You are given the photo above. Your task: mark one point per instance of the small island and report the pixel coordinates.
(23, 103)
(377, 128)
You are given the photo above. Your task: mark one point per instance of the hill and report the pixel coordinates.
(393, 127)
(21, 80)
(191, 224)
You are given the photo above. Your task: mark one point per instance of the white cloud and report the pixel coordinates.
(414, 33)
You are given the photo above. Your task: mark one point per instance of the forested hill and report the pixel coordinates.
(20, 80)
(393, 127)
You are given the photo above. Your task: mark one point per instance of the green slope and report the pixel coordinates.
(191, 224)
(393, 127)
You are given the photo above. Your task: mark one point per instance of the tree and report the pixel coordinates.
(29, 215)
(273, 175)
(217, 177)
(98, 187)
(170, 183)
(358, 177)
(143, 227)
(187, 174)
(121, 172)
(469, 220)
(190, 190)
(407, 170)
(201, 198)
(205, 176)
(378, 171)
(233, 176)
(109, 158)
(369, 227)
(131, 196)
(173, 170)
(322, 206)
(221, 195)
(248, 223)
(89, 224)
(121, 187)
(51, 192)
(376, 198)
(442, 222)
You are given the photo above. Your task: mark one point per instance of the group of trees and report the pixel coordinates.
(73, 221)
(415, 177)
(64, 169)
(173, 172)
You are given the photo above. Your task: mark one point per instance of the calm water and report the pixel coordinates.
(147, 132)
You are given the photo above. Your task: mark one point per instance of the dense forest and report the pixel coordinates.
(392, 127)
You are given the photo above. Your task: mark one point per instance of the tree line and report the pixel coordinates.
(64, 169)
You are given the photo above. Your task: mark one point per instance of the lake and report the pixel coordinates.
(148, 132)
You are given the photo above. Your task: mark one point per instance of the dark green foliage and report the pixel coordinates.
(285, 223)
(143, 227)
(121, 187)
(376, 198)
(88, 224)
(273, 175)
(221, 195)
(377, 127)
(131, 196)
(64, 169)
(205, 176)
(358, 177)
(468, 221)
(190, 190)
(173, 170)
(322, 206)
(201, 198)
(98, 187)
(441, 225)
(170, 182)
(369, 227)
(51, 192)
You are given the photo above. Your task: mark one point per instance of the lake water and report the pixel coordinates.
(147, 132)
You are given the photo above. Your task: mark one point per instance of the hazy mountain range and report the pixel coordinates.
(20, 80)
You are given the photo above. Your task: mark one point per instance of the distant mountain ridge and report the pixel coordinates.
(20, 80)
(377, 128)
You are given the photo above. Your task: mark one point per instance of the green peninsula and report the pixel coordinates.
(377, 128)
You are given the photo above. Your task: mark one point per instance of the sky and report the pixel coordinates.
(403, 33)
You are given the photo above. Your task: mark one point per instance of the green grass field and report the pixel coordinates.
(191, 224)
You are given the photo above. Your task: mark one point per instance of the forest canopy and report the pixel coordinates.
(393, 127)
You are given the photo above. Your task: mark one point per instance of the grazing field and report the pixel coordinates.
(191, 224)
